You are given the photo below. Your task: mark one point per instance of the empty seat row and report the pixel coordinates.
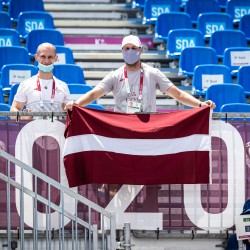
(153, 8)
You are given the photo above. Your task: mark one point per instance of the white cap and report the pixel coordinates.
(131, 39)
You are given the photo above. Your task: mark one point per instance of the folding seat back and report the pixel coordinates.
(13, 54)
(237, 8)
(223, 39)
(4, 108)
(169, 21)
(234, 57)
(138, 4)
(95, 106)
(65, 55)
(69, 73)
(34, 20)
(243, 78)
(178, 39)
(210, 22)
(235, 107)
(15, 74)
(244, 25)
(192, 56)
(225, 93)
(9, 37)
(36, 37)
(196, 7)
(77, 90)
(5, 21)
(1, 95)
(13, 91)
(16, 7)
(209, 74)
(153, 8)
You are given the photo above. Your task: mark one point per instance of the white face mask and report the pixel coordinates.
(45, 68)
(131, 56)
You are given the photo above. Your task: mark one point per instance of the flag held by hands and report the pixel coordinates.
(139, 149)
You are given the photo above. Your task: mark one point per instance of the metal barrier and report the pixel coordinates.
(80, 229)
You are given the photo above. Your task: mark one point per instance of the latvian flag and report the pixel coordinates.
(140, 149)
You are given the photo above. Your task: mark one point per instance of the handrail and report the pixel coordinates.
(51, 182)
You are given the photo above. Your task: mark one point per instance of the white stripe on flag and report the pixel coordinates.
(92, 142)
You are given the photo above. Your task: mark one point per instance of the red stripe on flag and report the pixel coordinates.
(119, 168)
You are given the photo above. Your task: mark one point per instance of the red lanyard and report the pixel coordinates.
(53, 88)
(141, 81)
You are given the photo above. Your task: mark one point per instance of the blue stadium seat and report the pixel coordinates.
(16, 7)
(16, 73)
(223, 4)
(178, 39)
(138, 4)
(5, 21)
(169, 21)
(77, 90)
(237, 8)
(36, 37)
(13, 91)
(1, 95)
(153, 8)
(243, 78)
(69, 73)
(209, 74)
(65, 55)
(222, 39)
(225, 93)
(192, 56)
(95, 106)
(244, 26)
(210, 22)
(4, 108)
(235, 57)
(9, 37)
(235, 107)
(33, 20)
(13, 54)
(196, 7)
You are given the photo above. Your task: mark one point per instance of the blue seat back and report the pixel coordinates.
(69, 73)
(234, 57)
(210, 22)
(13, 54)
(225, 93)
(196, 7)
(220, 40)
(5, 21)
(192, 56)
(13, 91)
(153, 8)
(15, 74)
(17, 6)
(209, 74)
(244, 26)
(77, 90)
(4, 108)
(138, 4)
(36, 37)
(235, 107)
(1, 95)
(243, 78)
(237, 8)
(65, 55)
(34, 20)
(178, 39)
(169, 21)
(9, 37)
(95, 106)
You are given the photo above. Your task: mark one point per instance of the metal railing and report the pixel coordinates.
(94, 238)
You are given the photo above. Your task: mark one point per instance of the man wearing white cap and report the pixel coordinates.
(134, 84)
